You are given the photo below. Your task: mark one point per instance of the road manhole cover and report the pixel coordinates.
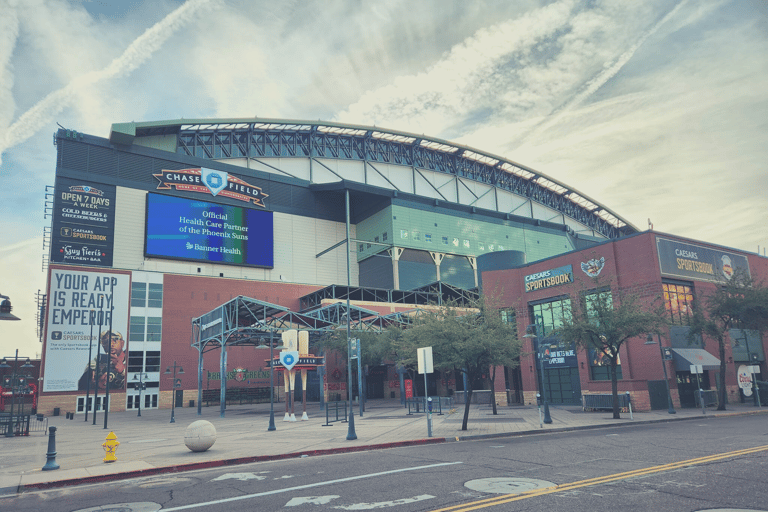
(507, 485)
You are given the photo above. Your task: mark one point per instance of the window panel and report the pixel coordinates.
(138, 294)
(137, 328)
(155, 297)
(154, 328)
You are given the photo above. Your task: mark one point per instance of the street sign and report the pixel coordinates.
(697, 368)
(289, 358)
(425, 359)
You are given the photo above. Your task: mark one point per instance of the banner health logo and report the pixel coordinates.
(593, 267)
(210, 181)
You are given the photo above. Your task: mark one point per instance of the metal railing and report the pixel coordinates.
(336, 407)
(596, 402)
(18, 424)
(419, 404)
(708, 395)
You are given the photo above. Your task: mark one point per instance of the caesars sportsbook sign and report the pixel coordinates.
(696, 262)
(549, 278)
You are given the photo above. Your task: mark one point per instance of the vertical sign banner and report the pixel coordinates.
(83, 223)
(77, 299)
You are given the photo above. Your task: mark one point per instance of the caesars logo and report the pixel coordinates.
(210, 181)
(549, 278)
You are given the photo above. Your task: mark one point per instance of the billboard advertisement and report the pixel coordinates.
(83, 223)
(82, 306)
(690, 261)
(187, 229)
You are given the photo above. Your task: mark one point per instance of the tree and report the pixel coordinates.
(738, 302)
(472, 339)
(604, 319)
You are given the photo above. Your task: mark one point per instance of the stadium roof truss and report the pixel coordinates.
(221, 139)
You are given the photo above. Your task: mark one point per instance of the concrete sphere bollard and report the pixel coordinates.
(200, 435)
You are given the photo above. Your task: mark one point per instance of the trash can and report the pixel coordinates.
(56, 411)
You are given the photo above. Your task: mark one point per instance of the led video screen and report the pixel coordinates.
(188, 229)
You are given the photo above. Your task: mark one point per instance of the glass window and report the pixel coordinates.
(135, 361)
(549, 315)
(466, 244)
(153, 361)
(138, 294)
(154, 328)
(428, 238)
(455, 242)
(376, 239)
(155, 298)
(416, 235)
(480, 246)
(361, 247)
(384, 236)
(445, 240)
(403, 233)
(137, 328)
(678, 301)
(594, 302)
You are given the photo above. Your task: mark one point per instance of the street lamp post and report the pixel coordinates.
(531, 332)
(649, 341)
(141, 386)
(176, 384)
(89, 371)
(271, 379)
(14, 385)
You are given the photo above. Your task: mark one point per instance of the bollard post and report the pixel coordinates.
(429, 416)
(50, 463)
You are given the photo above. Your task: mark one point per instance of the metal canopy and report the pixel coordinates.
(685, 357)
(243, 321)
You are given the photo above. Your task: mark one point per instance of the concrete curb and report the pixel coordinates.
(350, 449)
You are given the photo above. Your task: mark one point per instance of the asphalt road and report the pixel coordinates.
(714, 463)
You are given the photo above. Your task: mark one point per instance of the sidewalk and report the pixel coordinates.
(150, 444)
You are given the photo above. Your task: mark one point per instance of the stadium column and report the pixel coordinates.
(437, 257)
(473, 264)
(396, 252)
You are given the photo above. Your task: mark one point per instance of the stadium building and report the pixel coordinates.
(193, 241)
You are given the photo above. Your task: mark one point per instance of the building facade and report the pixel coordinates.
(654, 267)
(164, 221)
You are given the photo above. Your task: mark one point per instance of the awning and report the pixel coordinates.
(685, 357)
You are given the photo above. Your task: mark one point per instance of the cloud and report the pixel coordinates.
(598, 81)
(9, 31)
(134, 55)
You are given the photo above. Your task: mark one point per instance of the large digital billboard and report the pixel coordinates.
(188, 229)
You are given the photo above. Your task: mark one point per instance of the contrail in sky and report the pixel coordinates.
(600, 80)
(136, 54)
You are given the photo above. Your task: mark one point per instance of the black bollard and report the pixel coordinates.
(51, 455)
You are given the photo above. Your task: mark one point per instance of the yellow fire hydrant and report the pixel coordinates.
(110, 447)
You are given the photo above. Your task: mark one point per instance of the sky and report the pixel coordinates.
(656, 109)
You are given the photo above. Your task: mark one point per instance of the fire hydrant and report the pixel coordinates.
(110, 447)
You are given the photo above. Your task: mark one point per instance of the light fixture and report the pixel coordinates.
(5, 309)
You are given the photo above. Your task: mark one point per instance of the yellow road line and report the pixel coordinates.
(507, 498)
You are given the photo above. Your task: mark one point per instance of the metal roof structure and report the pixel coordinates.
(256, 138)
